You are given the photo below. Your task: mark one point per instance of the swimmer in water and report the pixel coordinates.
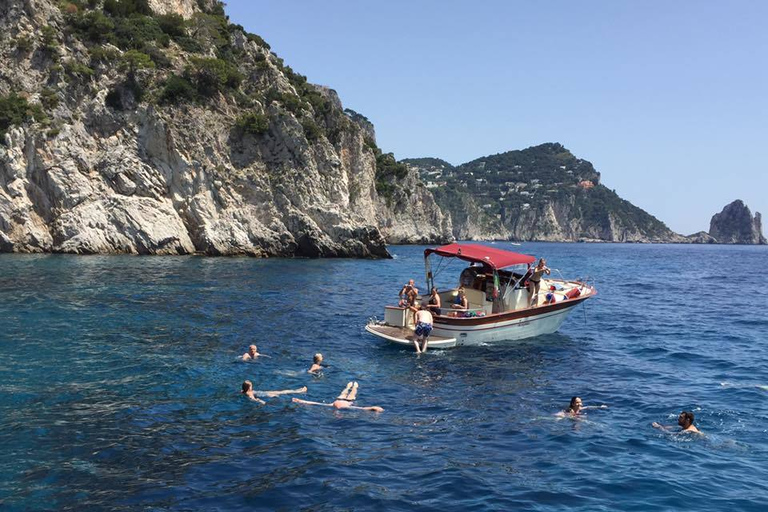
(684, 420)
(576, 406)
(252, 354)
(248, 391)
(317, 365)
(345, 400)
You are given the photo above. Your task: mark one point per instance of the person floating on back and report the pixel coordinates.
(248, 391)
(576, 406)
(345, 400)
(317, 365)
(685, 420)
(252, 354)
(423, 320)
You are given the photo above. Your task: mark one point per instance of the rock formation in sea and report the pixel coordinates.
(702, 237)
(735, 225)
(159, 127)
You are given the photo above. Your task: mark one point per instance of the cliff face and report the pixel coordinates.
(735, 225)
(540, 193)
(129, 132)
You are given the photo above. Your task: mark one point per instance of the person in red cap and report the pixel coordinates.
(550, 298)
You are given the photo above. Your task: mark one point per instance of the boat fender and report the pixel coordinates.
(572, 294)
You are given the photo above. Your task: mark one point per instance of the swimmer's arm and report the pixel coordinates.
(257, 400)
(660, 426)
(603, 406)
(372, 408)
(307, 402)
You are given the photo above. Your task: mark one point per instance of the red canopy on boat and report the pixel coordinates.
(494, 258)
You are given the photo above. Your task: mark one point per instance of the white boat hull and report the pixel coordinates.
(516, 329)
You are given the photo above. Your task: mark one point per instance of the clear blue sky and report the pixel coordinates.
(669, 100)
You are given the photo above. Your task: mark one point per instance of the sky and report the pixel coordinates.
(668, 100)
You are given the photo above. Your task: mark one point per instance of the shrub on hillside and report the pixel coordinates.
(135, 32)
(215, 75)
(290, 102)
(15, 110)
(134, 60)
(50, 39)
(125, 8)
(49, 99)
(311, 130)
(172, 24)
(189, 44)
(100, 54)
(24, 44)
(77, 69)
(253, 123)
(178, 89)
(93, 26)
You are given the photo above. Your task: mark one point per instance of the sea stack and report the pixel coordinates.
(735, 225)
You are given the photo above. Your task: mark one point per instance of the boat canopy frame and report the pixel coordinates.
(496, 259)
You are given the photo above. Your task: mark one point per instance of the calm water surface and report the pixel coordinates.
(119, 388)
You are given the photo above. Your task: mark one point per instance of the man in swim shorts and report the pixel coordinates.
(423, 320)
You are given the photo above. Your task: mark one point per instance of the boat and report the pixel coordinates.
(499, 305)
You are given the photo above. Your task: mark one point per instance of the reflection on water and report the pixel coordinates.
(119, 387)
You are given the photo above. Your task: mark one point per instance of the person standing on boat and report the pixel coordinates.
(535, 280)
(434, 302)
(685, 420)
(408, 294)
(423, 320)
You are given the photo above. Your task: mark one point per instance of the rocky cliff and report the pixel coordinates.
(158, 127)
(735, 225)
(540, 193)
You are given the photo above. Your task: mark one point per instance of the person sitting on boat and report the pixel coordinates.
(685, 420)
(408, 295)
(467, 276)
(576, 406)
(550, 298)
(248, 391)
(252, 354)
(460, 302)
(423, 320)
(317, 365)
(535, 280)
(345, 400)
(434, 302)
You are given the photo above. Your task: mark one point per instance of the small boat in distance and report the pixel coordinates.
(499, 304)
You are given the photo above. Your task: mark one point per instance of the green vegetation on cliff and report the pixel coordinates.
(526, 184)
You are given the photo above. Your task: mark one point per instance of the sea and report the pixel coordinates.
(120, 387)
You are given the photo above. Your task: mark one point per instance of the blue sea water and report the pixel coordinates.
(119, 388)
